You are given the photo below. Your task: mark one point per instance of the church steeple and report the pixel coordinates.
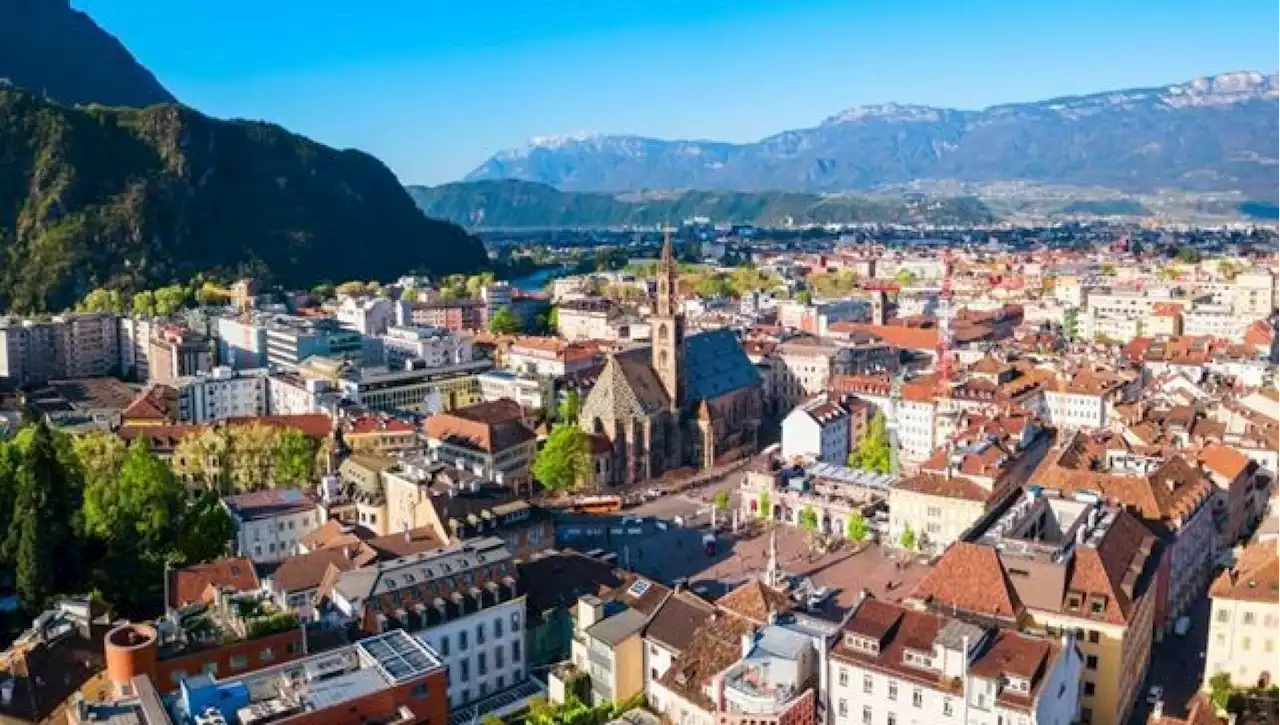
(668, 326)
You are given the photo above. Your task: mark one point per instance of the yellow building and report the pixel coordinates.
(1243, 625)
(1047, 564)
(608, 642)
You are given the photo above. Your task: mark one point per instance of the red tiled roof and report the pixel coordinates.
(192, 584)
(970, 578)
(1255, 577)
(158, 402)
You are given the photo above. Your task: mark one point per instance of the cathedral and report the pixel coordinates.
(681, 402)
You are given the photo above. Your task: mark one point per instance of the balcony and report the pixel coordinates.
(748, 690)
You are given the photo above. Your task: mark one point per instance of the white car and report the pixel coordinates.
(1155, 694)
(818, 597)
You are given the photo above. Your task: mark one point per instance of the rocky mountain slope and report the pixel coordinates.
(512, 204)
(134, 198)
(1210, 134)
(60, 53)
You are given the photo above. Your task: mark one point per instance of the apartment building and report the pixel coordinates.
(135, 347)
(897, 665)
(1243, 625)
(530, 391)
(1052, 565)
(452, 315)
(608, 639)
(430, 347)
(370, 316)
(490, 440)
(1171, 496)
(549, 356)
(1251, 295)
(68, 346)
(463, 602)
(818, 429)
(291, 340)
(420, 391)
(269, 524)
(289, 393)
(220, 394)
(242, 341)
(586, 319)
(175, 352)
(802, 368)
(1083, 399)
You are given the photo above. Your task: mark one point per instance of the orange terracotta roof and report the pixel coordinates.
(970, 578)
(159, 402)
(1224, 460)
(755, 601)
(198, 583)
(910, 338)
(1254, 578)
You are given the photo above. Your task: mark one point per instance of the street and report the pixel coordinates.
(1177, 664)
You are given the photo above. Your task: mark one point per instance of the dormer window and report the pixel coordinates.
(861, 643)
(1074, 600)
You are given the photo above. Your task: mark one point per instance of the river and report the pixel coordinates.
(536, 281)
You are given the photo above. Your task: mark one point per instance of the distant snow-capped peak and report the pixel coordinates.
(902, 113)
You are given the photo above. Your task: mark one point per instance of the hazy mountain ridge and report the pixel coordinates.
(510, 203)
(1213, 133)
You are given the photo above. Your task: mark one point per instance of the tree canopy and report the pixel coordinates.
(504, 322)
(874, 451)
(564, 463)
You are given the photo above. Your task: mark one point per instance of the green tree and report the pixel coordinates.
(354, 288)
(206, 529)
(905, 278)
(1107, 269)
(42, 542)
(874, 451)
(211, 295)
(908, 539)
(504, 322)
(140, 506)
(808, 519)
(763, 505)
(143, 303)
(564, 463)
(1220, 689)
(322, 292)
(553, 320)
(251, 455)
(100, 455)
(720, 501)
(856, 527)
(569, 408)
(200, 459)
(491, 719)
(295, 459)
(714, 286)
(804, 297)
(102, 300)
(1071, 323)
(170, 299)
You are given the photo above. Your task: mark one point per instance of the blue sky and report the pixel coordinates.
(433, 87)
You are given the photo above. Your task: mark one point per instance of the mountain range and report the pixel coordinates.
(106, 181)
(515, 204)
(1216, 133)
(57, 52)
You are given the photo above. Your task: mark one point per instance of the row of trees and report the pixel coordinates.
(238, 458)
(163, 302)
(86, 515)
(855, 528)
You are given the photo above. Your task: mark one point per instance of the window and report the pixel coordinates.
(420, 691)
(893, 690)
(266, 655)
(946, 707)
(515, 621)
(464, 670)
(1246, 643)
(482, 664)
(917, 697)
(1093, 636)
(499, 660)
(1086, 716)
(1248, 618)
(500, 683)
(239, 662)
(1224, 616)
(844, 677)
(209, 668)
(444, 646)
(515, 651)
(497, 627)
(867, 684)
(479, 634)
(842, 708)
(462, 641)
(891, 719)
(1089, 688)
(866, 715)
(1091, 662)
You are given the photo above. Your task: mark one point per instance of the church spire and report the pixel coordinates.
(668, 326)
